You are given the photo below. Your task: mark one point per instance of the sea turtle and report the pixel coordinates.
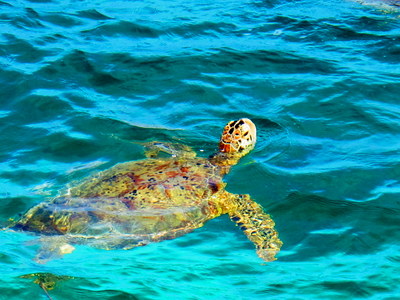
(158, 198)
(385, 5)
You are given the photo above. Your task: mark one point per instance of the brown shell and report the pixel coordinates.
(155, 183)
(134, 203)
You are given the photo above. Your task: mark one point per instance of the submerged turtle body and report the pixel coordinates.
(135, 203)
(383, 4)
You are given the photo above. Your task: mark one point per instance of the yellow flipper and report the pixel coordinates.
(257, 225)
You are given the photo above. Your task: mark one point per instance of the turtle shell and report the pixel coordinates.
(133, 203)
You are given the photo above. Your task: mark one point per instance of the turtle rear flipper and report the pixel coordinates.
(52, 247)
(257, 225)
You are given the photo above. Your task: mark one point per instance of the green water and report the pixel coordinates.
(83, 83)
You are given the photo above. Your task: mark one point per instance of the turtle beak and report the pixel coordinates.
(226, 148)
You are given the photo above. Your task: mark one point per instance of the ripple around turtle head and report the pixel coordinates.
(85, 84)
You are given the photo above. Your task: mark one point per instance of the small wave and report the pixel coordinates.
(122, 28)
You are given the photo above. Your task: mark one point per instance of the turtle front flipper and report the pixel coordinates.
(179, 150)
(257, 225)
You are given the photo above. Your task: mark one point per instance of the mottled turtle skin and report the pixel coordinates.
(139, 202)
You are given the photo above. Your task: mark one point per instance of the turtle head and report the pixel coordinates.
(238, 139)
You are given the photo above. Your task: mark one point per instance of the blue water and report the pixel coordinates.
(84, 83)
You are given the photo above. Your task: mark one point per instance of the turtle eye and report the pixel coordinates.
(237, 134)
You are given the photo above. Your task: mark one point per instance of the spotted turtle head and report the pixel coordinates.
(238, 137)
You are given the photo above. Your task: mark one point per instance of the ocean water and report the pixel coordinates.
(85, 83)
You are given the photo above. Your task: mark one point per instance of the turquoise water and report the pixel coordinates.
(83, 83)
